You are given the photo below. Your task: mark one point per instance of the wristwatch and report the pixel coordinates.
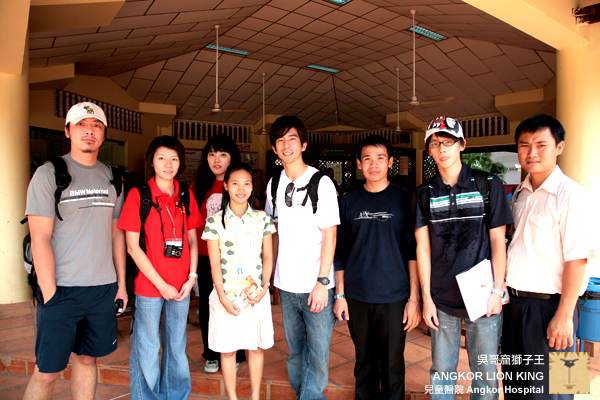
(498, 292)
(323, 280)
(339, 296)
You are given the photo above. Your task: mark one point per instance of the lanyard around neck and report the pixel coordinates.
(172, 221)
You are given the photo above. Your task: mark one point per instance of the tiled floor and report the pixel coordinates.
(17, 340)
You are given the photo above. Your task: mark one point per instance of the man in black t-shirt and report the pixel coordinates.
(377, 288)
(457, 237)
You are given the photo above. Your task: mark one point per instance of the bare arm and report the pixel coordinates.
(424, 269)
(560, 329)
(275, 245)
(120, 260)
(318, 298)
(214, 254)
(412, 311)
(498, 244)
(189, 284)
(141, 260)
(40, 229)
(340, 306)
(267, 267)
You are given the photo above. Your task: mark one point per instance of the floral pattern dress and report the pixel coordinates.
(240, 246)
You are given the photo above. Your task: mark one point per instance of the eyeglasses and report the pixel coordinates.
(446, 143)
(289, 191)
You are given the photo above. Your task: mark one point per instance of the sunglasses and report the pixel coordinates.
(289, 191)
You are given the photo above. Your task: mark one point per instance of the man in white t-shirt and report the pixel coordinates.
(305, 245)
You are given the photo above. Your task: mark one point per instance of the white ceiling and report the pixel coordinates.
(154, 49)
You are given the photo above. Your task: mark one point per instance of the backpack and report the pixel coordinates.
(312, 190)
(146, 204)
(481, 181)
(63, 180)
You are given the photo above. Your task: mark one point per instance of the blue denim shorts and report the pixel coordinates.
(76, 319)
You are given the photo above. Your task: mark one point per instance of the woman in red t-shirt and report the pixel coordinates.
(167, 274)
(219, 152)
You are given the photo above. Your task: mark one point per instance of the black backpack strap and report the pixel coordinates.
(312, 190)
(62, 178)
(482, 183)
(274, 184)
(146, 205)
(117, 180)
(424, 200)
(184, 196)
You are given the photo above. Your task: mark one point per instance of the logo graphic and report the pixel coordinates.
(379, 216)
(569, 373)
(89, 109)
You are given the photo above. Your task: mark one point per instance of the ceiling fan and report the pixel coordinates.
(264, 131)
(414, 102)
(217, 107)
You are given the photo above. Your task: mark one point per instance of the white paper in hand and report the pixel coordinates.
(476, 286)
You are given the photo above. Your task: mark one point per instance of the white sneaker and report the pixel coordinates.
(211, 366)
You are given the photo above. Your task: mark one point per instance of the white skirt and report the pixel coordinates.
(250, 330)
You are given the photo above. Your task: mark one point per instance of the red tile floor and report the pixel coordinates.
(17, 340)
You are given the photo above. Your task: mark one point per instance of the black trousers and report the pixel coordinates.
(524, 334)
(379, 337)
(205, 287)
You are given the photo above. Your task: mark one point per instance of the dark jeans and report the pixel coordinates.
(379, 338)
(524, 333)
(205, 286)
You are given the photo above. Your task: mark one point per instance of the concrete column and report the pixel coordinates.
(578, 102)
(14, 179)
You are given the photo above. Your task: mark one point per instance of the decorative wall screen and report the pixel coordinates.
(495, 125)
(321, 157)
(192, 130)
(117, 117)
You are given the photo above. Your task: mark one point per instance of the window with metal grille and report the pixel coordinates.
(318, 138)
(117, 117)
(343, 158)
(389, 134)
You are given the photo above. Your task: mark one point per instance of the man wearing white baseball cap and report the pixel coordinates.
(460, 220)
(79, 258)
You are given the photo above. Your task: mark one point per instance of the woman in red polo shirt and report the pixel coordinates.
(167, 275)
(219, 152)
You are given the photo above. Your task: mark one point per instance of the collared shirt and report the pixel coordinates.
(173, 270)
(240, 244)
(552, 226)
(459, 232)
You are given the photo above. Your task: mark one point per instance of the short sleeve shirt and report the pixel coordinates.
(240, 243)
(174, 271)
(459, 232)
(552, 226)
(82, 241)
(300, 236)
(210, 206)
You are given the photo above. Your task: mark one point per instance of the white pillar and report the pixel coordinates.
(14, 179)
(577, 105)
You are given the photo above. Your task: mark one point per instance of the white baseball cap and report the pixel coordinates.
(85, 110)
(445, 124)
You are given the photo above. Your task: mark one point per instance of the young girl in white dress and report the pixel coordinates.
(240, 249)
